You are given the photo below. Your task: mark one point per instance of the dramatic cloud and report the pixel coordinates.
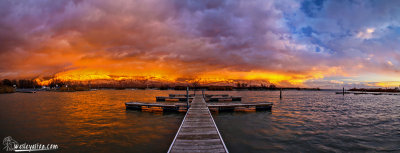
(307, 43)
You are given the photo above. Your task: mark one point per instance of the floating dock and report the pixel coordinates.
(159, 106)
(162, 99)
(180, 95)
(192, 95)
(208, 98)
(198, 131)
(239, 106)
(223, 98)
(182, 107)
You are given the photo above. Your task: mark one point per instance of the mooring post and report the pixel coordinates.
(280, 94)
(187, 97)
(202, 92)
(343, 91)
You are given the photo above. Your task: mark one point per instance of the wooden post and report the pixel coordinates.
(202, 92)
(343, 91)
(187, 97)
(280, 94)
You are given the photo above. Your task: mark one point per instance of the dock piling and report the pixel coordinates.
(187, 97)
(280, 93)
(343, 91)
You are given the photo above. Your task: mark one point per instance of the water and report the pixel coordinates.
(309, 121)
(303, 121)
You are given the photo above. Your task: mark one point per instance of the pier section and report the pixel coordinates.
(198, 131)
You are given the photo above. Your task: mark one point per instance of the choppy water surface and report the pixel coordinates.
(303, 121)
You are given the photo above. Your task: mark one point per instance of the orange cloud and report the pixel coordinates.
(387, 84)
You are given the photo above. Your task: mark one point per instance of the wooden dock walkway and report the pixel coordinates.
(198, 131)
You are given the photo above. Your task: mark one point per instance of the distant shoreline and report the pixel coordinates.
(375, 90)
(76, 89)
(8, 89)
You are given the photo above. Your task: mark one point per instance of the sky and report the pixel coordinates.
(317, 43)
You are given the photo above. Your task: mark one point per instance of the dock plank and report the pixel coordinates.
(198, 132)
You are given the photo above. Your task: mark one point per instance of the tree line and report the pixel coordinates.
(20, 83)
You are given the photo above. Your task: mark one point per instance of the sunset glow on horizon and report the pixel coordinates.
(317, 43)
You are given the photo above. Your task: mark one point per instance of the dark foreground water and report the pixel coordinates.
(303, 121)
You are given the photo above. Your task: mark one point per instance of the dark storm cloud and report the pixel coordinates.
(290, 37)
